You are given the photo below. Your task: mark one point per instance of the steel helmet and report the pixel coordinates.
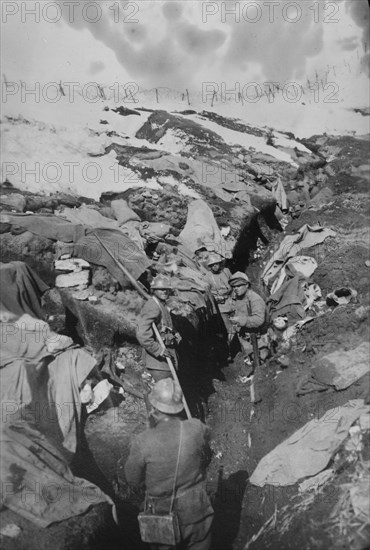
(161, 282)
(214, 259)
(166, 396)
(239, 277)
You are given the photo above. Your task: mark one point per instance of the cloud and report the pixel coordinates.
(171, 45)
(348, 44)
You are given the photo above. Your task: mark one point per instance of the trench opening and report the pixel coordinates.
(203, 365)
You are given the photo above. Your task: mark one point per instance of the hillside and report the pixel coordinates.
(265, 184)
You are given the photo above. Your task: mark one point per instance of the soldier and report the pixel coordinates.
(171, 459)
(200, 257)
(219, 277)
(249, 312)
(156, 311)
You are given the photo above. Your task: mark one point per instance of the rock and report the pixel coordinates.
(5, 227)
(123, 212)
(73, 279)
(15, 200)
(362, 312)
(81, 294)
(293, 198)
(367, 263)
(17, 230)
(364, 421)
(35, 250)
(284, 361)
(102, 279)
(10, 530)
(322, 197)
(71, 264)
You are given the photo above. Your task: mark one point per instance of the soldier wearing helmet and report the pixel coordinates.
(249, 307)
(249, 310)
(153, 459)
(200, 257)
(218, 278)
(156, 311)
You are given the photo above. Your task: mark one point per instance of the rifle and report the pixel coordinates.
(145, 295)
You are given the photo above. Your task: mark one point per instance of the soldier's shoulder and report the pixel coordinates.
(150, 306)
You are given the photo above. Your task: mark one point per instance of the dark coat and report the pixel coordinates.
(250, 311)
(154, 312)
(152, 460)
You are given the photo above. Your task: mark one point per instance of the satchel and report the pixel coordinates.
(161, 528)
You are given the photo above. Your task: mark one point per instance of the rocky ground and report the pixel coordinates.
(329, 187)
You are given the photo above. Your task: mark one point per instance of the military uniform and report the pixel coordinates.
(250, 310)
(221, 291)
(250, 316)
(152, 459)
(154, 311)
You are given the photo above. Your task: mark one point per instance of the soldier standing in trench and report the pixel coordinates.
(156, 311)
(250, 314)
(218, 278)
(171, 459)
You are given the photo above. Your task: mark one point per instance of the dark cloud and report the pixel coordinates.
(172, 11)
(96, 67)
(196, 41)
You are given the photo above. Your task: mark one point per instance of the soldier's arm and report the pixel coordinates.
(258, 313)
(144, 331)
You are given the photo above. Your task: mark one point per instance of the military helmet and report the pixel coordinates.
(239, 278)
(214, 259)
(166, 396)
(161, 282)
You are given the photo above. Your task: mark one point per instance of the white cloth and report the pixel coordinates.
(309, 449)
(292, 245)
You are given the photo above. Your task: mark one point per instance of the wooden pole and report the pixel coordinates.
(145, 295)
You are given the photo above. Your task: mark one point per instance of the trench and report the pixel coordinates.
(204, 375)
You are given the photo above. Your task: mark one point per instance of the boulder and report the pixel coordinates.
(15, 200)
(98, 324)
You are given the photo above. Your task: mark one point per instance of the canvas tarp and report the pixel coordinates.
(21, 289)
(40, 423)
(37, 483)
(48, 226)
(342, 368)
(293, 245)
(309, 449)
(121, 247)
(201, 226)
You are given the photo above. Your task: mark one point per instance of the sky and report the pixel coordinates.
(183, 44)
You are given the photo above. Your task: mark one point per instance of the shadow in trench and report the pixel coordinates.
(228, 506)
